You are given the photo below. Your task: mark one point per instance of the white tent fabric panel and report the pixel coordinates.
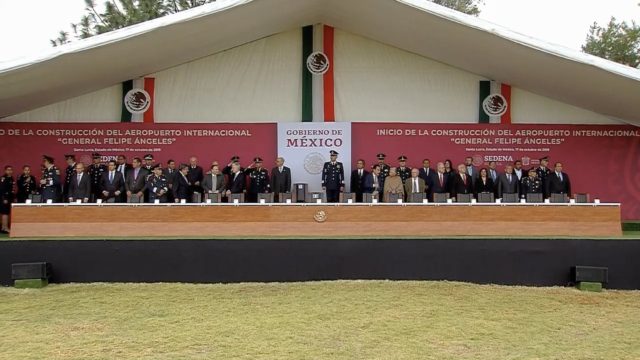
(529, 108)
(256, 82)
(377, 82)
(99, 106)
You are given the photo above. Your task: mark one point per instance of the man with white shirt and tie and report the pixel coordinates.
(558, 182)
(374, 182)
(517, 170)
(122, 166)
(79, 185)
(280, 179)
(112, 184)
(427, 174)
(441, 180)
(237, 180)
(357, 179)
(414, 185)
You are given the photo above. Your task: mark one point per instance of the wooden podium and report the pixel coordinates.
(318, 220)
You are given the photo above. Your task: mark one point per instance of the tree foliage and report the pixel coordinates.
(117, 14)
(470, 7)
(616, 41)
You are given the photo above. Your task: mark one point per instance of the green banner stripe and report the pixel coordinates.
(307, 80)
(126, 86)
(485, 90)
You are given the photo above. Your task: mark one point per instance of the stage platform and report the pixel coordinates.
(326, 220)
(505, 260)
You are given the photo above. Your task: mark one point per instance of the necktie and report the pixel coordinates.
(560, 176)
(441, 183)
(110, 176)
(375, 181)
(415, 185)
(360, 173)
(79, 178)
(464, 179)
(509, 177)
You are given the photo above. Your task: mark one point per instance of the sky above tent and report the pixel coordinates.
(26, 31)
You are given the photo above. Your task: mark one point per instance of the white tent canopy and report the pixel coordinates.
(416, 26)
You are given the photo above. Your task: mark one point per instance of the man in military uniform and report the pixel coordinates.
(157, 186)
(26, 184)
(531, 184)
(403, 171)
(149, 163)
(384, 168)
(69, 172)
(543, 172)
(258, 180)
(333, 177)
(95, 173)
(50, 181)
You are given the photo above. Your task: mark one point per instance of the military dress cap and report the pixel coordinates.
(95, 155)
(402, 158)
(333, 152)
(47, 158)
(381, 156)
(544, 158)
(156, 166)
(235, 158)
(148, 157)
(70, 156)
(257, 159)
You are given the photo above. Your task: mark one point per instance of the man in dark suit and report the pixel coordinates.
(373, 182)
(558, 182)
(333, 177)
(280, 179)
(440, 180)
(472, 171)
(543, 172)
(195, 175)
(427, 174)
(136, 180)
(122, 166)
(112, 183)
(213, 182)
(508, 182)
(357, 180)
(462, 182)
(80, 185)
(170, 175)
(237, 182)
(181, 185)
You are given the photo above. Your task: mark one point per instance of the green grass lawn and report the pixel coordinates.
(317, 320)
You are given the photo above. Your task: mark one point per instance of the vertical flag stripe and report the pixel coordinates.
(307, 81)
(506, 92)
(329, 107)
(149, 87)
(126, 115)
(485, 90)
(318, 80)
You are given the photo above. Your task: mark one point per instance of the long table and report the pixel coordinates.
(304, 220)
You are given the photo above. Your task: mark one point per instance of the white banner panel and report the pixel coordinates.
(305, 148)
